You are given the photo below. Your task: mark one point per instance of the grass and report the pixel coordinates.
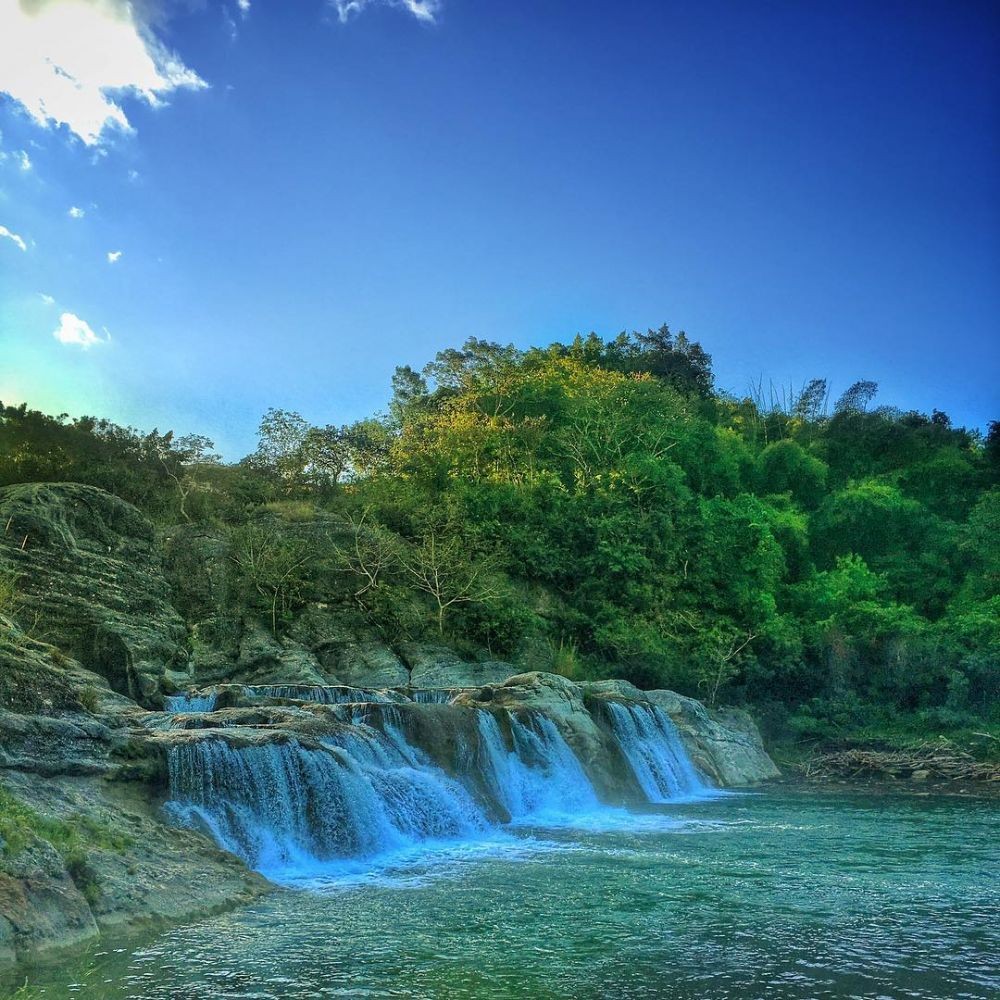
(566, 660)
(292, 510)
(74, 838)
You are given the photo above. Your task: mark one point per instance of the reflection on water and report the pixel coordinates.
(769, 895)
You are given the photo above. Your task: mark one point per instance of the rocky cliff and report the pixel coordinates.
(90, 579)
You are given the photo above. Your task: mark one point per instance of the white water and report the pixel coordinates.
(283, 808)
(652, 746)
(539, 775)
(191, 702)
(433, 696)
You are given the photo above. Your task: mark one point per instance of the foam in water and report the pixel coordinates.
(652, 746)
(369, 799)
(191, 702)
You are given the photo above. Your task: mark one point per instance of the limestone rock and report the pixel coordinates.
(49, 746)
(137, 872)
(440, 667)
(365, 664)
(89, 569)
(265, 659)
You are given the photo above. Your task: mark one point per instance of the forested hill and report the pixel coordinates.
(599, 508)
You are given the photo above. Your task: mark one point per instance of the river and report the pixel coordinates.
(770, 894)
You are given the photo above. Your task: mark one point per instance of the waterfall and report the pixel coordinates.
(190, 702)
(652, 746)
(282, 807)
(314, 692)
(433, 696)
(367, 792)
(539, 774)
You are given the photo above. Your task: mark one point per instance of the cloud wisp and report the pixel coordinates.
(422, 10)
(6, 234)
(76, 213)
(77, 332)
(114, 256)
(68, 61)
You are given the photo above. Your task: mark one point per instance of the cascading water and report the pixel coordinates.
(322, 695)
(191, 702)
(539, 775)
(433, 696)
(367, 792)
(283, 807)
(652, 746)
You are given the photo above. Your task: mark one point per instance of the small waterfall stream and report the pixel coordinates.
(539, 774)
(652, 746)
(192, 702)
(329, 695)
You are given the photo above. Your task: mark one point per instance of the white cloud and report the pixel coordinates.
(244, 6)
(77, 332)
(5, 233)
(422, 10)
(47, 299)
(114, 256)
(67, 62)
(76, 213)
(23, 160)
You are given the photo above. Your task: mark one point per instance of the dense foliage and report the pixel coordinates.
(600, 508)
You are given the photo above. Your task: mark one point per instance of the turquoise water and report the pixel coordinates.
(767, 895)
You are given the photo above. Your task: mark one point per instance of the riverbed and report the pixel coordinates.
(770, 894)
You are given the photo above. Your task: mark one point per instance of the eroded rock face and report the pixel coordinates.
(433, 666)
(365, 664)
(89, 568)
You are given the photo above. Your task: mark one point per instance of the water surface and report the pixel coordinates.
(774, 894)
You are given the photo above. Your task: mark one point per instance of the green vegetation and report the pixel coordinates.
(600, 509)
(74, 839)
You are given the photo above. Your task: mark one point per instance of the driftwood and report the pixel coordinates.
(930, 761)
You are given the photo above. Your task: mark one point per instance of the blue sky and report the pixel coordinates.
(302, 195)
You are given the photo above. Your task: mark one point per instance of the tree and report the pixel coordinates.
(440, 567)
(721, 662)
(786, 467)
(857, 398)
(324, 456)
(182, 460)
(281, 437)
(273, 565)
(372, 555)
